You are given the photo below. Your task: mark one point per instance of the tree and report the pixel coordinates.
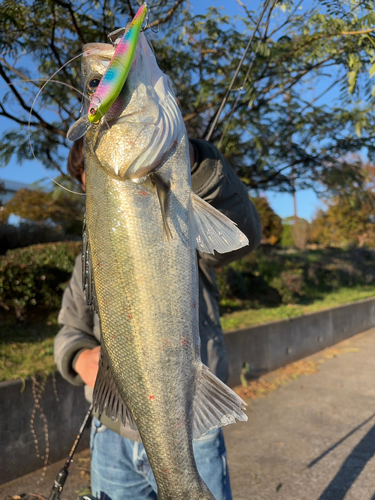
(2, 192)
(271, 222)
(346, 222)
(56, 208)
(349, 220)
(297, 43)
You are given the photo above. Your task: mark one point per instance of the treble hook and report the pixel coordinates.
(154, 29)
(116, 35)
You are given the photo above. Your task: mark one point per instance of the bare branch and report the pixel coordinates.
(201, 110)
(168, 16)
(17, 120)
(27, 108)
(132, 13)
(249, 15)
(53, 47)
(67, 5)
(55, 165)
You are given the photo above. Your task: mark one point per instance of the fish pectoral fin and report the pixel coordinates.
(79, 128)
(213, 230)
(163, 189)
(87, 274)
(215, 404)
(106, 396)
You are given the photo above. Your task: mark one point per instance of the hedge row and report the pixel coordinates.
(34, 278)
(272, 276)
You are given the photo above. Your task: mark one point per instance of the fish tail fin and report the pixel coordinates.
(79, 128)
(213, 230)
(215, 404)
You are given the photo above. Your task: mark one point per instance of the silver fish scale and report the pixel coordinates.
(147, 296)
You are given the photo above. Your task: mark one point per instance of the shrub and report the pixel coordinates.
(271, 276)
(33, 278)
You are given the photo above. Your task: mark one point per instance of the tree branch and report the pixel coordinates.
(17, 120)
(27, 108)
(168, 16)
(56, 165)
(53, 47)
(132, 13)
(68, 5)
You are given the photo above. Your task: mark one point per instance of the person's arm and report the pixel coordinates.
(76, 347)
(214, 180)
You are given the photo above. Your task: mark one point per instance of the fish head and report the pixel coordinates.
(143, 125)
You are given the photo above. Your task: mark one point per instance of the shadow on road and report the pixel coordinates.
(351, 467)
(331, 448)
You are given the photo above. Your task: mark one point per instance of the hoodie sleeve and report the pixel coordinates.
(77, 327)
(214, 180)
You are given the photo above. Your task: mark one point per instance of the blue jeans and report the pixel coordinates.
(120, 469)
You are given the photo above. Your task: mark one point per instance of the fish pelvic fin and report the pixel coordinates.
(215, 404)
(213, 231)
(79, 128)
(106, 396)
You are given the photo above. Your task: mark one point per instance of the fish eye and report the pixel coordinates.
(92, 85)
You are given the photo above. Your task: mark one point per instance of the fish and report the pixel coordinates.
(143, 228)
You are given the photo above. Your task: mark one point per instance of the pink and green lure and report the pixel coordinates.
(113, 79)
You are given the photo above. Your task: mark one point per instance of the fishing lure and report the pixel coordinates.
(113, 79)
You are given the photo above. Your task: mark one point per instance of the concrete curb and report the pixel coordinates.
(272, 345)
(265, 347)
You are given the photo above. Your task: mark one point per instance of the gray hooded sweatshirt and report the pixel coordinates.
(214, 180)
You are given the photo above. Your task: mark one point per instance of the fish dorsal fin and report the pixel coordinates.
(213, 230)
(215, 404)
(106, 396)
(163, 190)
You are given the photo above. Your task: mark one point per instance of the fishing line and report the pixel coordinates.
(217, 116)
(32, 80)
(241, 90)
(47, 80)
(29, 122)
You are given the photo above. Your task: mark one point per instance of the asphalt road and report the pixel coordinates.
(312, 439)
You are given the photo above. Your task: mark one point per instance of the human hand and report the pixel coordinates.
(87, 365)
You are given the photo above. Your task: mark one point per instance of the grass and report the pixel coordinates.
(27, 349)
(251, 317)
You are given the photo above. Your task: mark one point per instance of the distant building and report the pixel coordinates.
(10, 187)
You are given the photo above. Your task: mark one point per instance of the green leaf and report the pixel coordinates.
(358, 129)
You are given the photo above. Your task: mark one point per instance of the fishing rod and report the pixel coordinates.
(223, 102)
(63, 473)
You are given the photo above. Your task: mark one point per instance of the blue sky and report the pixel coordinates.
(282, 203)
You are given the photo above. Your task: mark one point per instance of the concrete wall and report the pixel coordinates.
(264, 347)
(64, 408)
(272, 345)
